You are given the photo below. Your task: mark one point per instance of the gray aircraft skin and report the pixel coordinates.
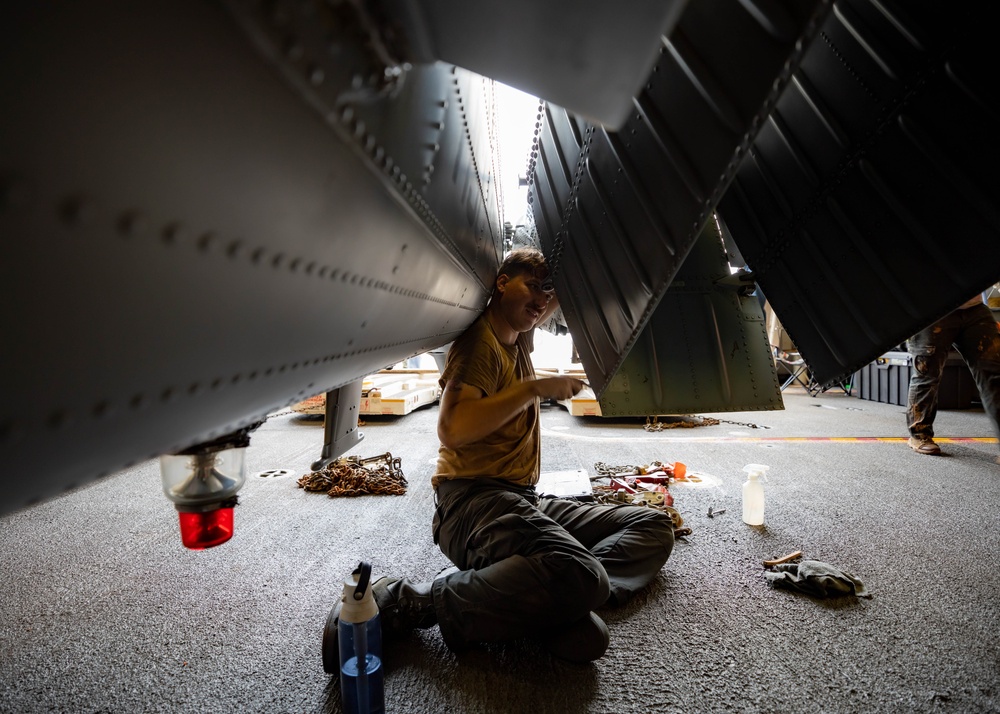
(211, 210)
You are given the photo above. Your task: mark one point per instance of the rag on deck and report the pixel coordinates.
(814, 577)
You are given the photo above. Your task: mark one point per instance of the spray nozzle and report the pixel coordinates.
(755, 471)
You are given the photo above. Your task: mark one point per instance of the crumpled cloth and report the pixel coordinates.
(814, 577)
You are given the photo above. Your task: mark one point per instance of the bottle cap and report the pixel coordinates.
(358, 603)
(755, 470)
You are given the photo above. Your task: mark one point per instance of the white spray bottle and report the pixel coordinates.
(753, 494)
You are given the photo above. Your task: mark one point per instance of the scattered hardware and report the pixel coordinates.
(605, 494)
(353, 476)
(645, 485)
(713, 513)
(653, 471)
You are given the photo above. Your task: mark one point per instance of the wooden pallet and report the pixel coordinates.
(389, 391)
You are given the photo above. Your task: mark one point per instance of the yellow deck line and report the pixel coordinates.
(862, 439)
(892, 439)
(957, 439)
(673, 435)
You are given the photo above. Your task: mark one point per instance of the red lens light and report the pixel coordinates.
(206, 529)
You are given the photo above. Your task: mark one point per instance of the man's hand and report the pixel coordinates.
(558, 388)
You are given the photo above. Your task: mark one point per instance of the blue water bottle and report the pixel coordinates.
(362, 680)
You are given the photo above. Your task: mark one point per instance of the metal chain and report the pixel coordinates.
(607, 471)
(654, 424)
(747, 424)
(279, 414)
(352, 476)
(604, 470)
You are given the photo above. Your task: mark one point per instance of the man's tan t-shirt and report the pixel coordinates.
(479, 359)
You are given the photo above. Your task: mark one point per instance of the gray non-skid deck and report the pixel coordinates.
(104, 611)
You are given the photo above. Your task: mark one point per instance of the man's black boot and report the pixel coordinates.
(403, 605)
(582, 641)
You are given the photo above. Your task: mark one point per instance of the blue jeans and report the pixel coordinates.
(973, 331)
(528, 563)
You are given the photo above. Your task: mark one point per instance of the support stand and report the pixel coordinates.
(340, 429)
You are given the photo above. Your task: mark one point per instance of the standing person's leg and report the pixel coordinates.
(631, 542)
(979, 344)
(929, 349)
(520, 573)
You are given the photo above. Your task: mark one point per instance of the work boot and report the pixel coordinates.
(582, 641)
(403, 605)
(446, 571)
(924, 445)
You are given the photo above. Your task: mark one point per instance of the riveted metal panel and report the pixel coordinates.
(617, 212)
(209, 211)
(704, 350)
(867, 207)
(587, 55)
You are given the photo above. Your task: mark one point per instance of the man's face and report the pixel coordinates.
(524, 299)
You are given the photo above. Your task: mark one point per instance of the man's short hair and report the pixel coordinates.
(524, 261)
